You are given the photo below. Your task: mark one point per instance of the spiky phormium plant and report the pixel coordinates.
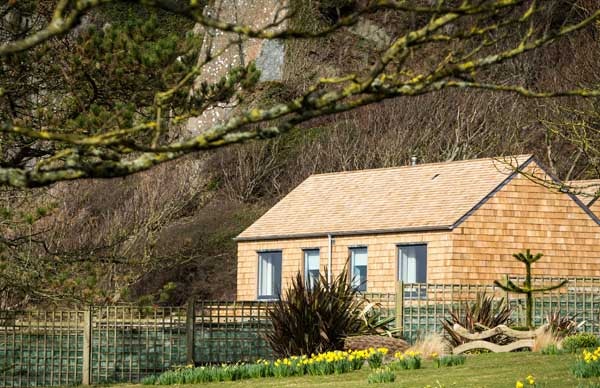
(317, 320)
(481, 314)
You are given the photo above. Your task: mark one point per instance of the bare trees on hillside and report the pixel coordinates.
(451, 45)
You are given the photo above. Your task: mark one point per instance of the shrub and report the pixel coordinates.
(480, 315)
(576, 342)
(311, 321)
(381, 376)
(546, 340)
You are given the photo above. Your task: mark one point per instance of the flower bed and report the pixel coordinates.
(335, 362)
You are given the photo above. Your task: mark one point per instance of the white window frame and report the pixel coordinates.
(309, 279)
(417, 265)
(274, 268)
(359, 283)
(417, 287)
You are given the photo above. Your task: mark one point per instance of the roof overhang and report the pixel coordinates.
(413, 229)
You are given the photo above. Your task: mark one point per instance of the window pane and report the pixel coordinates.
(311, 267)
(358, 269)
(269, 275)
(412, 263)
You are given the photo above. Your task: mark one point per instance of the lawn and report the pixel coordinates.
(486, 370)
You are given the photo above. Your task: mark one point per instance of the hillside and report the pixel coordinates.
(166, 234)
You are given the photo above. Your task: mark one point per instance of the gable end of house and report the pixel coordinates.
(493, 192)
(519, 170)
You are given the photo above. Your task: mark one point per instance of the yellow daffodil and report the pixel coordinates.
(519, 384)
(530, 380)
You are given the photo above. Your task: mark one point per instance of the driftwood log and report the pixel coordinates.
(523, 339)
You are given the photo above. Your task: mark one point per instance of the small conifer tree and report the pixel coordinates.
(528, 259)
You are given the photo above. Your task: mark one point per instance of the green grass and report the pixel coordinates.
(479, 371)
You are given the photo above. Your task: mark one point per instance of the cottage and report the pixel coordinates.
(455, 222)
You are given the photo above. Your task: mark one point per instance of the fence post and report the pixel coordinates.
(87, 347)
(400, 306)
(190, 319)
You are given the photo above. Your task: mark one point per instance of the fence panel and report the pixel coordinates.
(228, 332)
(580, 298)
(129, 343)
(425, 305)
(41, 348)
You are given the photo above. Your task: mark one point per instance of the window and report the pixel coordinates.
(412, 263)
(269, 275)
(358, 268)
(311, 267)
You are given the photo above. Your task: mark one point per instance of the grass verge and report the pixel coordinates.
(500, 370)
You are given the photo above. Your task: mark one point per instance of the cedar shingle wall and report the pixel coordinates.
(382, 258)
(525, 215)
(596, 207)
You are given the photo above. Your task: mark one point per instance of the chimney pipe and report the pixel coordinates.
(413, 160)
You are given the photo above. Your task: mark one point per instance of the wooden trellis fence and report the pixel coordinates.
(421, 306)
(126, 343)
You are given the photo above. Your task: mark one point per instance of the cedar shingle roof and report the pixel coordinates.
(422, 197)
(585, 190)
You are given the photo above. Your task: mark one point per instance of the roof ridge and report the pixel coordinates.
(498, 158)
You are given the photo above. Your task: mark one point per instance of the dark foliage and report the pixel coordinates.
(314, 321)
(562, 325)
(482, 314)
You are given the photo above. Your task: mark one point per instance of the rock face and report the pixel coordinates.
(268, 54)
(371, 32)
(271, 60)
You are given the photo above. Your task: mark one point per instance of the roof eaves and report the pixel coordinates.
(583, 206)
(574, 197)
(347, 233)
(493, 192)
